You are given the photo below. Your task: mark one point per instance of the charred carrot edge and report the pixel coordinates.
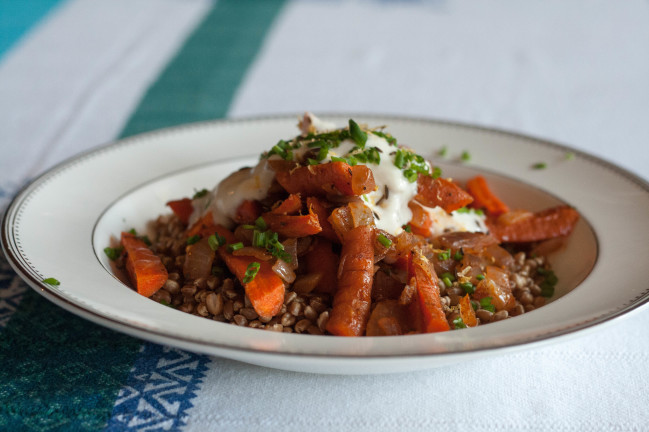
(484, 198)
(322, 260)
(247, 212)
(145, 269)
(351, 304)
(467, 313)
(550, 223)
(433, 318)
(321, 211)
(420, 223)
(266, 290)
(290, 206)
(293, 226)
(441, 192)
(319, 180)
(183, 208)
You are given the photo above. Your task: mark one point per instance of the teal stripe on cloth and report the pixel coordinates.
(201, 81)
(60, 372)
(18, 16)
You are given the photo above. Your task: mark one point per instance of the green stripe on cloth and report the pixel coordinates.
(201, 81)
(60, 372)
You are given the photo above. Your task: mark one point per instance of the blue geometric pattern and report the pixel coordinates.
(12, 289)
(158, 390)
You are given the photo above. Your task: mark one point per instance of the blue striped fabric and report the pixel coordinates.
(18, 17)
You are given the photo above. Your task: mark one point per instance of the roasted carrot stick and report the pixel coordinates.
(351, 304)
(247, 212)
(266, 290)
(467, 313)
(484, 198)
(145, 269)
(550, 223)
(329, 178)
(182, 208)
(290, 206)
(441, 192)
(322, 260)
(293, 226)
(420, 223)
(431, 313)
(320, 209)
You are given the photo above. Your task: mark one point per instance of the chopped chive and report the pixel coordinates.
(411, 175)
(260, 223)
(475, 305)
(540, 165)
(407, 228)
(400, 159)
(251, 272)
(52, 281)
(132, 231)
(357, 134)
(437, 172)
(338, 159)
(480, 277)
(213, 242)
(145, 239)
(235, 246)
(385, 241)
(442, 151)
(200, 194)
(444, 255)
(248, 227)
(485, 303)
(447, 282)
(193, 239)
(458, 323)
(448, 275)
(468, 287)
(312, 161)
(570, 156)
(259, 239)
(458, 255)
(113, 253)
(466, 156)
(166, 303)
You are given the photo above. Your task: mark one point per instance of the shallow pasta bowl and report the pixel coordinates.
(59, 224)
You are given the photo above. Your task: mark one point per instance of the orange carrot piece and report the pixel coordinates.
(389, 318)
(550, 223)
(441, 192)
(183, 208)
(430, 309)
(293, 226)
(290, 206)
(351, 304)
(496, 285)
(329, 178)
(266, 290)
(145, 269)
(420, 223)
(320, 209)
(203, 227)
(247, 212)
(467, 313)
(484, 198)
(322, 260)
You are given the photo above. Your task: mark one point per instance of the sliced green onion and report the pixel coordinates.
(200, 194)
(251, 272)
(458, 255)
(437, 172)
(485, 303)
(260, 223)
(385, 241)
(338, 159)
(235, 246)
(357, 134)
(480, 277)
(193, 239)
(444, 255)
(442, 151)
(407, 228)
(468, 287)
(447, 282)
(570, 156)
(448, 275)
(52, 281)
(466, 156)
(312, 161)
(458, 323)
(113, 253)
(540, 165)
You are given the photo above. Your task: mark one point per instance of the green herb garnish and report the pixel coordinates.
(200, 194)
(540, 165)
(193, 239)
(357, 134)
(407, 228)
(251, 272)
(466, 156)
(442, 152)
(458, 256)
(235, 246)
(446, 255)
(113, 253)
(480, 277)
(52, 281)
(215, 241)
(458, 323)
(468, 287)
(386, 242)
(485, 303)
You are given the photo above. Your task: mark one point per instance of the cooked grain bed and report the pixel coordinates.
(222, 298)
